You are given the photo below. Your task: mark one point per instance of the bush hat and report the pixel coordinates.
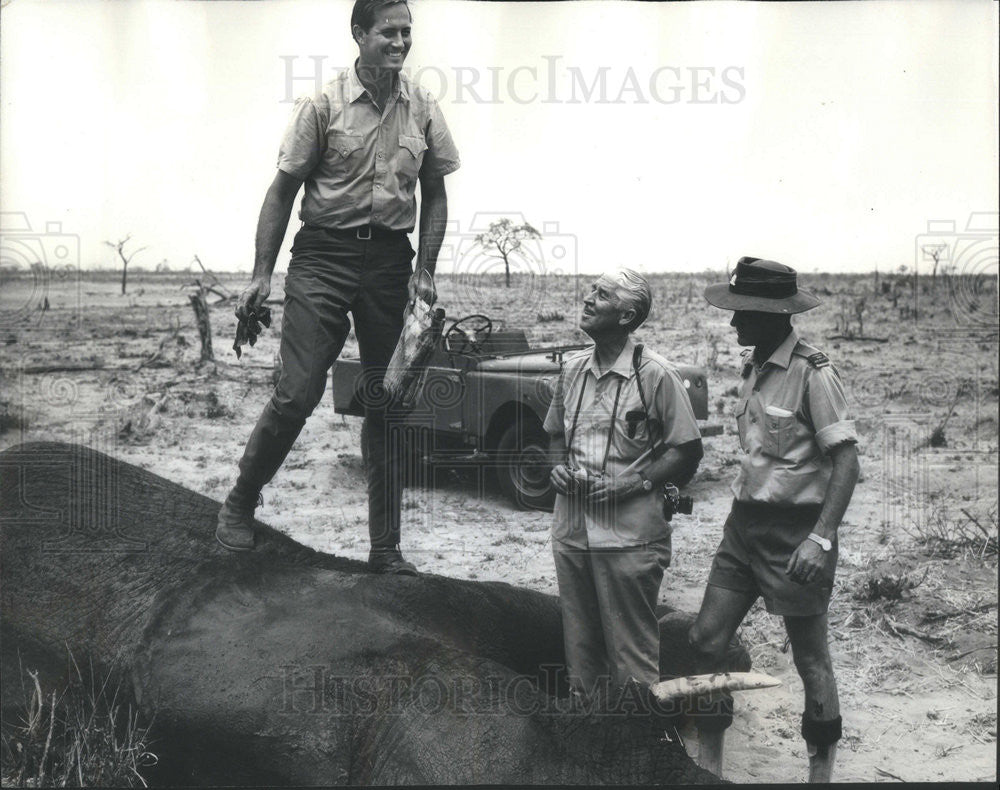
(762, 286)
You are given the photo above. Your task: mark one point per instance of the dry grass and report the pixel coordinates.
(86, 735)
(958, 532)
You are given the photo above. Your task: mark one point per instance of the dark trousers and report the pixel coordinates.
(329, 276)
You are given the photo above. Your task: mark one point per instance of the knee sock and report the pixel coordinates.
(821, 734)
(715, 717)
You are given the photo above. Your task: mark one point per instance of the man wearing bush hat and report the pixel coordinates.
(798, 469)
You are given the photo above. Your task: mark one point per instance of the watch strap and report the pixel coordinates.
(824, 543)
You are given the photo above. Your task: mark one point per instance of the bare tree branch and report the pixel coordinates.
(507, 238)
(119, 246)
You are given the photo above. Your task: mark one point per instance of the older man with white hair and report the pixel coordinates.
(614, 403)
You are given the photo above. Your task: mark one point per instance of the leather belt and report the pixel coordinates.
(362, 232)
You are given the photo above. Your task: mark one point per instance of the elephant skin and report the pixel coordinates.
(288, 666)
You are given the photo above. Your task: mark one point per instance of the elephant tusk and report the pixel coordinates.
(699, 685)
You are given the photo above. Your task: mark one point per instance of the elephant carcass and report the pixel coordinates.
(289, 666)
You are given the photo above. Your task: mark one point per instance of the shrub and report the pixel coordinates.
(948, 534)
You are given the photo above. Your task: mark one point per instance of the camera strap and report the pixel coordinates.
(611, 426)
(576, 413)
(636, 359)
(576, 417)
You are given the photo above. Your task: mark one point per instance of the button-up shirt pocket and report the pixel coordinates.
(342, 146)
(779, 431)
(629, 447)
(411, 156)
(742, 418)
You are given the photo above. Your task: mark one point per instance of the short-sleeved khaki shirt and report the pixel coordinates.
(637, 519)
(360, 165)
(792, 410)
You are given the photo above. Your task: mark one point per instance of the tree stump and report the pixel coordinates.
(200, 307)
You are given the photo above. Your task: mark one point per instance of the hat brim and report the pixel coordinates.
(720, 296)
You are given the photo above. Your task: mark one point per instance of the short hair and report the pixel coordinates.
(634, 291)
(364, 12)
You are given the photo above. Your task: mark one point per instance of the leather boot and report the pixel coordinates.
(235, 527)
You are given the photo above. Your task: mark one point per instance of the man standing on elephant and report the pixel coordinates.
(797, 473)
(359, 147)
(614, 402)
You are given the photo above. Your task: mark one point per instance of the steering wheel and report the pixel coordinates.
(470, 340)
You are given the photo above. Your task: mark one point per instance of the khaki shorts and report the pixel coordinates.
(757, 542)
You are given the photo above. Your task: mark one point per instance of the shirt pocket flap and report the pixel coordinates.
(345, 144)
(415, 145)
(777, 418)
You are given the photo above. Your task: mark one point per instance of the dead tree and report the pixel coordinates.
(119, 247)
(934, 252)
(203, 321)
(215, 286)
(506, 237)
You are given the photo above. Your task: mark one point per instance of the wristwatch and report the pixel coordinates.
(647, 485)
(824, 543)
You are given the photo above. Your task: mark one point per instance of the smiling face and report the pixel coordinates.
(603, 309)
(386, 44)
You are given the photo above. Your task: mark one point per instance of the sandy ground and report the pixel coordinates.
(913, 620)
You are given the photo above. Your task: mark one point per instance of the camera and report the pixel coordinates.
(675, 502)
(579, 483)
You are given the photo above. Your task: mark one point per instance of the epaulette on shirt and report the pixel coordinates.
(818, 360)
(813, 355)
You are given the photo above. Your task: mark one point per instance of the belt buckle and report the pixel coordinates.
(362, 229)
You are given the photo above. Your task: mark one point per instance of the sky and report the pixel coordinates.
(661, 136)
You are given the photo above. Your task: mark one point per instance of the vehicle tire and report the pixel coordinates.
(523, 468)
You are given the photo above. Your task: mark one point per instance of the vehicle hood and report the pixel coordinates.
(539, 361)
